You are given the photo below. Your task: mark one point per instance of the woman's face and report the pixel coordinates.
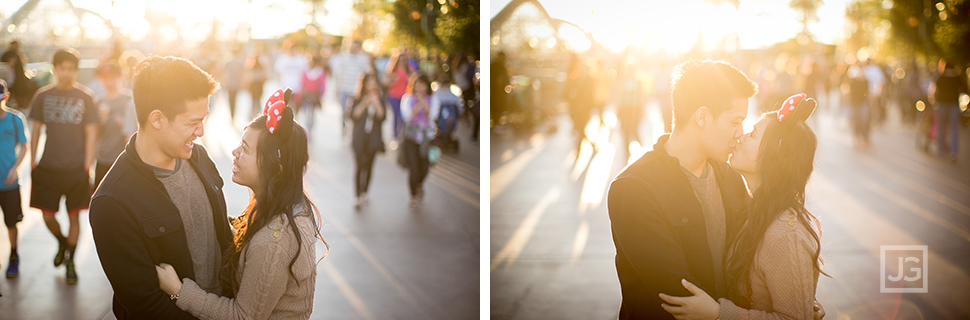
(245, 170)
(371, 85)
(420, 88)
(745, 156)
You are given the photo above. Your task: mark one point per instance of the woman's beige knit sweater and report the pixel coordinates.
(783, 275)
(266, 288)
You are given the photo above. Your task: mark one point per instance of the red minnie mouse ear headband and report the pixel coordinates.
(275, 107)
(792, 110)
(279, 118)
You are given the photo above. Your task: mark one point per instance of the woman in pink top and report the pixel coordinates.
(772, 267)
(314, 84)
(397, 83)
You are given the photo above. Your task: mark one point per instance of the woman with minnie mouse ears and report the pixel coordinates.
(772, 268)
(270, 270)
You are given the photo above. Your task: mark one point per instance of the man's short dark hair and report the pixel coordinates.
(167, 84)
(709, 83)
(66, 55)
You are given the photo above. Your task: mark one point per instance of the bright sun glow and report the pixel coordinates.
(676, 26)
(263, 18)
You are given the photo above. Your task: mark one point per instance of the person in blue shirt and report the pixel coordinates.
(13, 147)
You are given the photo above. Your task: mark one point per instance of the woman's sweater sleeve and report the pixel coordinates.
(407, 102)
(789, 275)
(263, 283)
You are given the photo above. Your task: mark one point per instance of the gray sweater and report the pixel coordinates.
(266, 288)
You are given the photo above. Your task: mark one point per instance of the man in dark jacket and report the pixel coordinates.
(676, 209)
(162, 199)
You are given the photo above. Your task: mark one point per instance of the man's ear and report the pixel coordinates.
(702, 117)
(155, 119)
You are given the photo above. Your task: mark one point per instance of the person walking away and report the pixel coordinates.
(368, 111)
(117, 113)
(860, 109)
(950, 84)
(21, 88)
(232, 79)
(500, 98)
(13, 147)
(314, 84)
(68, 112)
(397, 82)
(419, 108)
(289, 67)
(257, 74)
(347, 68)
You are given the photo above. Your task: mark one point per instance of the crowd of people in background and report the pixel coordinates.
(89, 124)
(859, 88)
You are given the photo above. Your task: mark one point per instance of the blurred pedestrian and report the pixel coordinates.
(289, 67)
(632, 101)
(68, 112)
(579, 94)
(232, 75)
(347, 68)
(118, 121)
(314, 84)
(162, 201)
(397, 82)
(257, 75)
(13, 52)
(949, 85)
(13, 147)
(859, 105)
(499, 88)
(22, 88)
(876, 78)
(368, 110)
(269, 271)
(419, 109)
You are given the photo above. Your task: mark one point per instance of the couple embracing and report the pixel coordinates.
(695, 240)
(159, 216)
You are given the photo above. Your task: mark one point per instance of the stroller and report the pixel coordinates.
(447, 123)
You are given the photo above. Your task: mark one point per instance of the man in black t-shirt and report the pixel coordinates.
(69, 114)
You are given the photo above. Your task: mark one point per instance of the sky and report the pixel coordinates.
(287, 15)
(674, 25)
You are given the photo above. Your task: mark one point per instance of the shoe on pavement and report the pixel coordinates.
(71, 274)
(13, 267)
(59, 257)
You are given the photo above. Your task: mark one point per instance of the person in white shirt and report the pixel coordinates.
(290, 66)
(348, 68)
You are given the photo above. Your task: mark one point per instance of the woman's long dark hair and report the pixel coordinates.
(785, 160)
(419, 76)
(362, 90)
(282, 159)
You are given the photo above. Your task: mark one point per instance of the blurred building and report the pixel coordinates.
(538, 49)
